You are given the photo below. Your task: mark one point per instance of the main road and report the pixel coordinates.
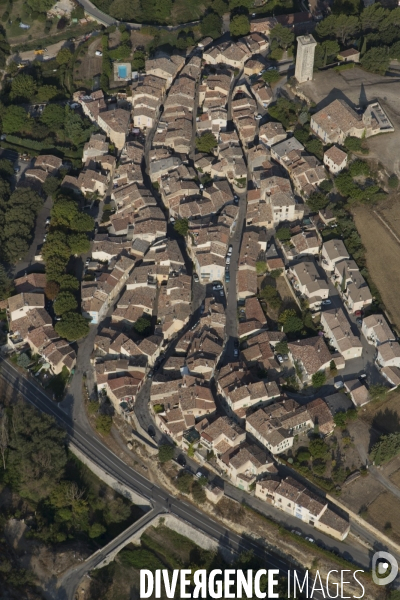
(93, 448)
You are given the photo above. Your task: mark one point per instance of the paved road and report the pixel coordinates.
(85, 439)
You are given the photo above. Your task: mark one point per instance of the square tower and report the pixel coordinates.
(305, 58)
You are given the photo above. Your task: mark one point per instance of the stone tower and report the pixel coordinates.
(305, 58)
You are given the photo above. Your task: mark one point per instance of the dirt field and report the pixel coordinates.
(383, 514)
(383, 258)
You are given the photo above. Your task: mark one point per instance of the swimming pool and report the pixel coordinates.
(122, 71)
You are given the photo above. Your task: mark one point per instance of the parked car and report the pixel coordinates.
(258, 117)
(279, 358)
(230, 250)
(227, 277)
(285, 357)
(296, 532)
(48, 220)
(228, 260)
(310, 539)
(98, 53)
(217, 286)
(236, 353)
(358, 313)
(181, 460)
(172, 220)
(221, 293)
(199, 475)
(359, 321)
(87, 261)
(195, 277)
(326, 302)
(17, 169)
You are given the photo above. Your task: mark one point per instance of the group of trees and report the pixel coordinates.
(285, 111)
(24, 88)
(375, 29)
(38, 468)
(386, 448)
(18, 212)
(67, 236)
(206, 142)
(187, 485)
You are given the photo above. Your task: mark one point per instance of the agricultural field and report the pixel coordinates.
(382, 254)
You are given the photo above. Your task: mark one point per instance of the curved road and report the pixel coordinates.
(96, 451)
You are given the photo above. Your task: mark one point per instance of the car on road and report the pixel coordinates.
(228, 260)
(258, 117)
(98, 53)
(221, 293)
(195, 277)
(326, 302)
(230, 250)
(181, 460)
(217, 286)
(236, 352)
(279, 358)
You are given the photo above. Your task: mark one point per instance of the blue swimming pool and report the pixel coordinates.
(122, 71)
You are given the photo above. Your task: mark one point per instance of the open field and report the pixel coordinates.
(383, 514)
(384, 416)
(383, 258)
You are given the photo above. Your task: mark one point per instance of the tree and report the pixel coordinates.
(72, 327)
(40, 6)
(327, 27)
(79, 243)
(239, 25)
(64, 56)
(292, 324)
(198, 493)
(68, 283)
(378, 391)
(103, 423)
(283, 36)
(282, 348)
(283, 234)
(53, 116)
(315, 147)
(317, 201)
(166, 453)
(181, 226)
(51, 185)
(46, 93)
(220, 7)
(138, 62)
(376, 60)
(117, 511)
(270, 294)
(353, 144)
(65, 302)
(56, 244)
(372, 16)
(15, 120)
(346, 27)
(271, 76)
(55, 267)
(142, 325)
(23, 88)
(82, 222)
(211, 25)
(318, 379)
(6, 284)
(6, 169)
(318, 448)
(184, 482)
(386, 448)
(206, 142)
(51, 290)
